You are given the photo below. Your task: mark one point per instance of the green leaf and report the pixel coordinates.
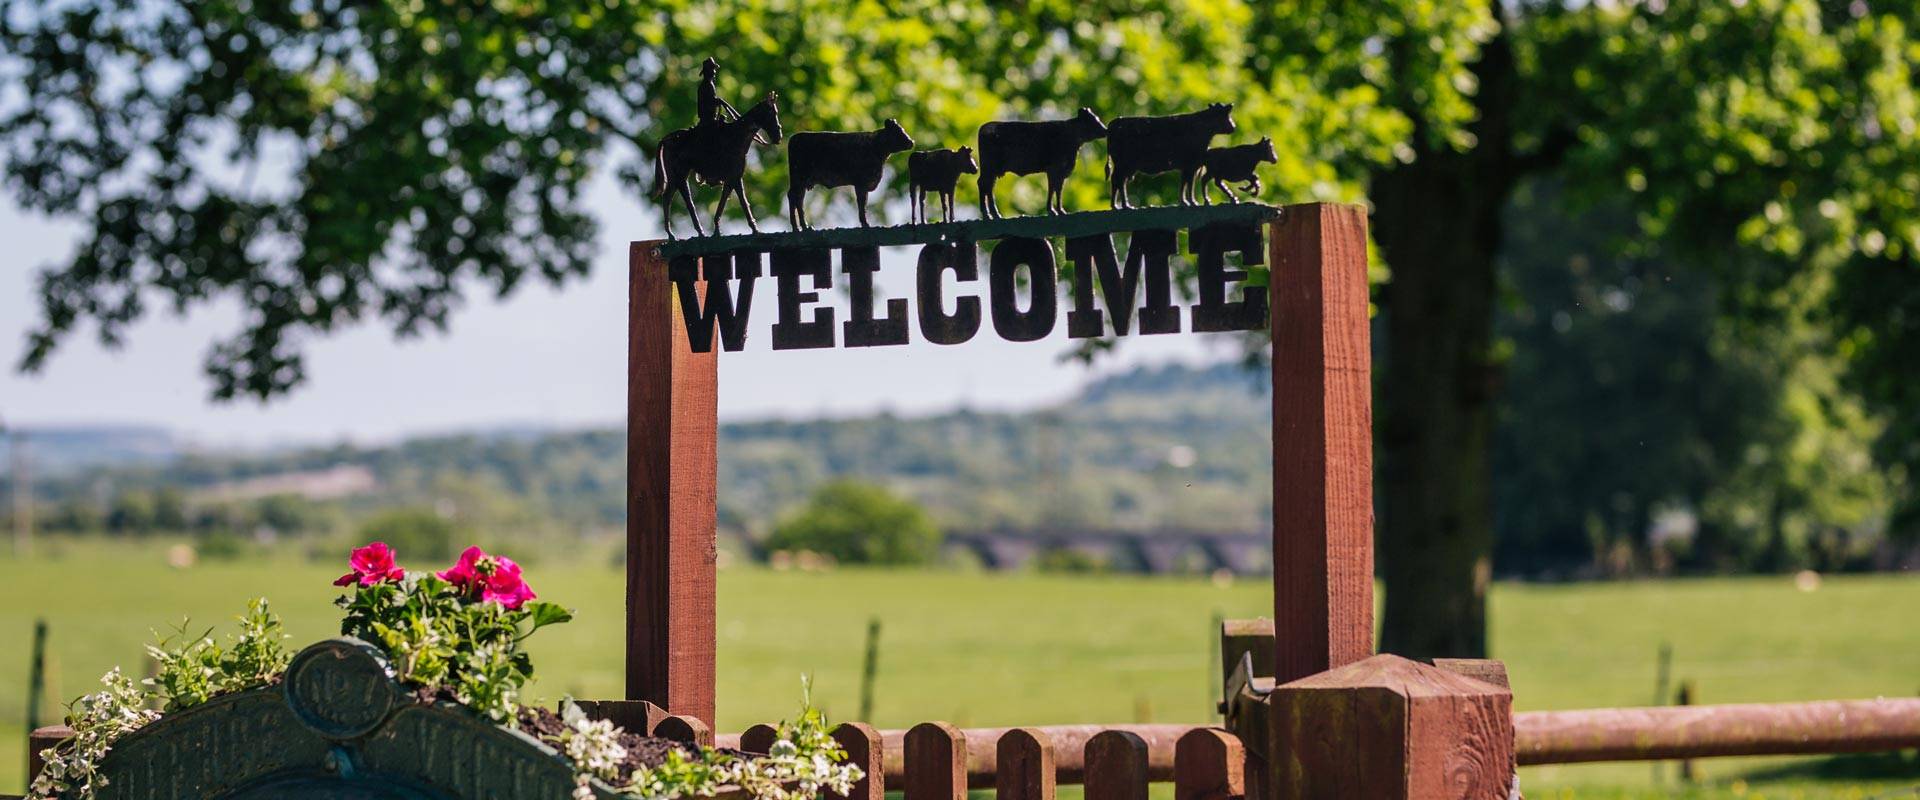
(542, 613)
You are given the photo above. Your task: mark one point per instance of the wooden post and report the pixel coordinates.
(1392, 729)
(1322, 440)
(1024, 766)
(672, 423)
(36, 674)
(870, 669)
(1685, 698)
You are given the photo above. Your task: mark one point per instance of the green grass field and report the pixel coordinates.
(991, 650)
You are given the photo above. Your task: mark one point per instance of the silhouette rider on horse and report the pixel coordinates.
(712, 107)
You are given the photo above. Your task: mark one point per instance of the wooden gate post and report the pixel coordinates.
(672, 423)
(1343, 722)
(1322, 440)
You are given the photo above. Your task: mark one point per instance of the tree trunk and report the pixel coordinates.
(1437, 221)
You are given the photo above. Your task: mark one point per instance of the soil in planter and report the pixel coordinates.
(642, 751)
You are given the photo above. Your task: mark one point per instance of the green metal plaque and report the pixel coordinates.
(338, 728)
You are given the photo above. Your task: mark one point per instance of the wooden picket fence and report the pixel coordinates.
(937, 761)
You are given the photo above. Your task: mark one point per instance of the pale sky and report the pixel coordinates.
(543, 357)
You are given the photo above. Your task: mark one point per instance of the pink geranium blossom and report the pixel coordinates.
(371, 564)
(496, 578)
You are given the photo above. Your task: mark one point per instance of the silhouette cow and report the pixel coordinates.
(1151, 145)
(829, 159)
(1026, 148)
(1236, 164)
(937, 171)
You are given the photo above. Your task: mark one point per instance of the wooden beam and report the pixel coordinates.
(1757, 729)
(1322, 440)
(672, 422)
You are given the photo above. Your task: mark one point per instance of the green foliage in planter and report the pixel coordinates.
(97, 719)
(193, 670)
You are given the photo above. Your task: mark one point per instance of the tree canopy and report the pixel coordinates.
(1645, 431)
(326, 162)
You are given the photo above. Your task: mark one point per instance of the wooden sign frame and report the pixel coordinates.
(1322, 452)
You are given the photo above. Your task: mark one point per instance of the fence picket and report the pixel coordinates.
(758, 738)
(936, 756)
(1024, 764)
(685, 729)
(1209, 764)
(865, 751)
(1116, 766)
(636, 716)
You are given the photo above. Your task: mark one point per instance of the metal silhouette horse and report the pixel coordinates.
(715, 153)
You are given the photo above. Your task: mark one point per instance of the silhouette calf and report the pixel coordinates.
(937, 171)
(1236, 164)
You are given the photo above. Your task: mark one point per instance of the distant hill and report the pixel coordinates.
(1170, 446)
(63, 450)
(1164, 446)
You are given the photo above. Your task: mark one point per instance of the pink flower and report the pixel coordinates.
(371, 564)
(496, 577)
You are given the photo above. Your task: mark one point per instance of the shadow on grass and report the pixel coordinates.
(1897, 765)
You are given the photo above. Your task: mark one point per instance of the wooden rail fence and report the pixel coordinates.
(1752, 729)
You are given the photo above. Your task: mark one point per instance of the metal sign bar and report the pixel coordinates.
(1059, 226)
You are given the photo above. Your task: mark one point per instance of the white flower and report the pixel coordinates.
(592, 745)
(98, 720)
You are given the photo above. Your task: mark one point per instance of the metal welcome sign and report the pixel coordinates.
(955, 298)
(1195, 266)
